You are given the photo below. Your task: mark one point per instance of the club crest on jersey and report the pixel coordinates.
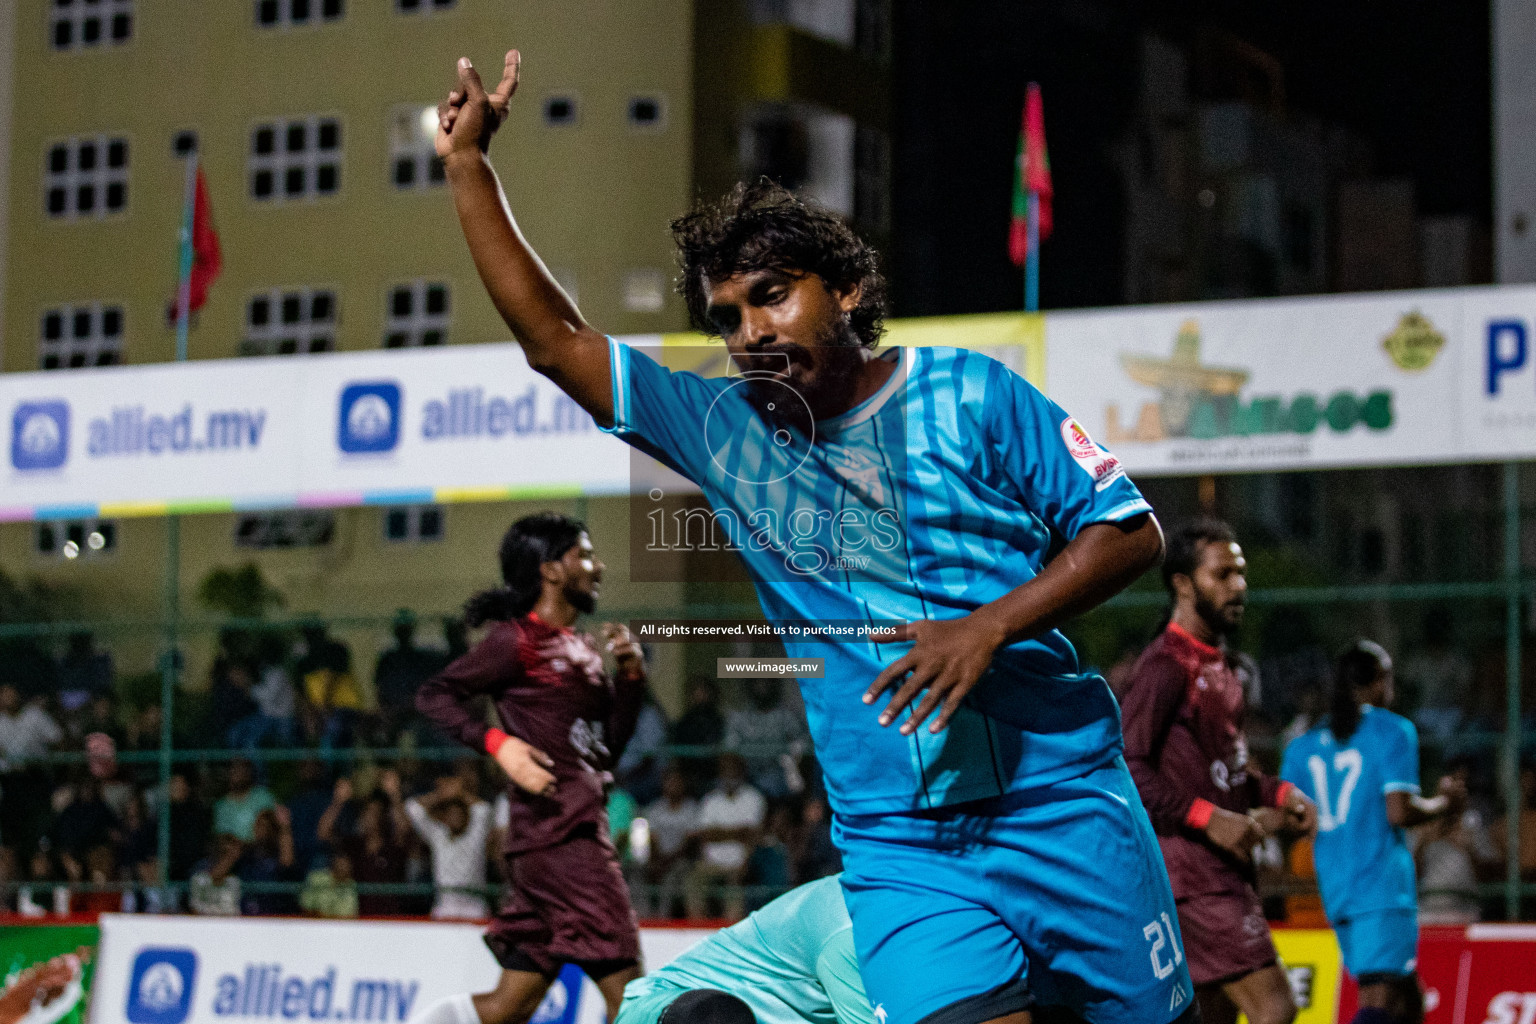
(1095, 461)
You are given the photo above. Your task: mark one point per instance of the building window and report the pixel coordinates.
(81, 538)
(647, 113)
(413, 162)
(416, 314)
(282, 13)
(184, 143)
(872, 178)
(89, 334)
(405, 524)
(419, 6)
(77, 24)
(295, 159)
(560, 111)
(289, 321)
(266, 531)
(86, 177)
(644, 291)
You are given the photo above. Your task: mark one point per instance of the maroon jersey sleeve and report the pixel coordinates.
(1151, 704)
(489, 667)
(628, 698)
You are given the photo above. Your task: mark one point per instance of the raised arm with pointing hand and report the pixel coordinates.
(556, 340)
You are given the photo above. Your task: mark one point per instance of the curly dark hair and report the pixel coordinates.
(763, 226)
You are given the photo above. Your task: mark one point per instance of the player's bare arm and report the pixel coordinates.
(555, 338)
(1405, 810)
(949, 657)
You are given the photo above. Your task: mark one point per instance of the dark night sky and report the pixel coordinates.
(1412, 78)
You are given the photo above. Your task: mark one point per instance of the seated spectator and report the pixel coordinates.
(191, 825)
(84, 822)
(730, 817)
(41, 894)
(456, 827)
(235, 812)
(229, 699)
(330, 891)
(308, 803)
(640, 769)
(332, 699)
(376, 849)
(1445, 861)
(10, 877)
(83, 672)
(140, 838)
(818, 855)
(275, 702)
(770, 867)
(671, 822)
(771, 736)
(99, 715)
(26, 731)
(1526, 823)
(215, 887)
(701, 726)
(399, 674)
(269, 858)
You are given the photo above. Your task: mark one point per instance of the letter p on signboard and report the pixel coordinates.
(1507, 350)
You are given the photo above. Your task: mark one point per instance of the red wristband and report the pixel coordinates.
(1199, 813)
(1283, 792)
(494, 738)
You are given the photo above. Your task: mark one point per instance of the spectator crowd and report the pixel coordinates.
(713, 813)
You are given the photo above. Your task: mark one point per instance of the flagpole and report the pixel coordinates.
(1032, 258)
(171, 606)
(184, 289)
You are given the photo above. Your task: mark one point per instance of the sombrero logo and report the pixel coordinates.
(369, 417)
(1095, 461)
(1203, 402)
(40, 435)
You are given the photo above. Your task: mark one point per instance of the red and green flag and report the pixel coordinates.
(1033, 175)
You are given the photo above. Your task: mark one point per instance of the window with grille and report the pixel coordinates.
(81, 538)
(80, 24)
(406, 524)
(413, 162)
(416, 314)
(561, 110)
(265, 531)
(84, 334)
(86, 177)
(284, 13)
(290, 321)
(299, 158)
(647, 113)
(423, 6)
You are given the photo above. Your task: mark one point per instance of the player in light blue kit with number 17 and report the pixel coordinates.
(1361, 768)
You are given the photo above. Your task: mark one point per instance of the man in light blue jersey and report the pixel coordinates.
(996, 854)
(792, 962)
(1361, 768)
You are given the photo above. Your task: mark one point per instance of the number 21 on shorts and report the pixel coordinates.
(1163, 939)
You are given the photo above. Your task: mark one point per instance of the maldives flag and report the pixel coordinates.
(207, 260)
(1034, 175)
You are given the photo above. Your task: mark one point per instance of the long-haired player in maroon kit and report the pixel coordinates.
(566, 722)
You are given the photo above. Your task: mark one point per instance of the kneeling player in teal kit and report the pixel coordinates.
(792, 962)
(1361, 767)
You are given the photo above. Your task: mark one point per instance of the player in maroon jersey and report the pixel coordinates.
(566, 722)
(1183, 718)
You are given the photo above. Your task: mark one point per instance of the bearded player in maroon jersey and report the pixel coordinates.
(566, 722)
(1183, 719)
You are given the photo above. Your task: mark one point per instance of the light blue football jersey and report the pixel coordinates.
(793, 962)
(1363, 861)
(939, 494)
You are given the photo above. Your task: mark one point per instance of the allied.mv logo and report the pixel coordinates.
(160, 988)
(40, 435)
(369, 417)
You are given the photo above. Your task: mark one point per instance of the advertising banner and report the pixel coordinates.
(1393, 378)
(1310, 957)
(46, 973)
(207, 970)
(419, 425)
